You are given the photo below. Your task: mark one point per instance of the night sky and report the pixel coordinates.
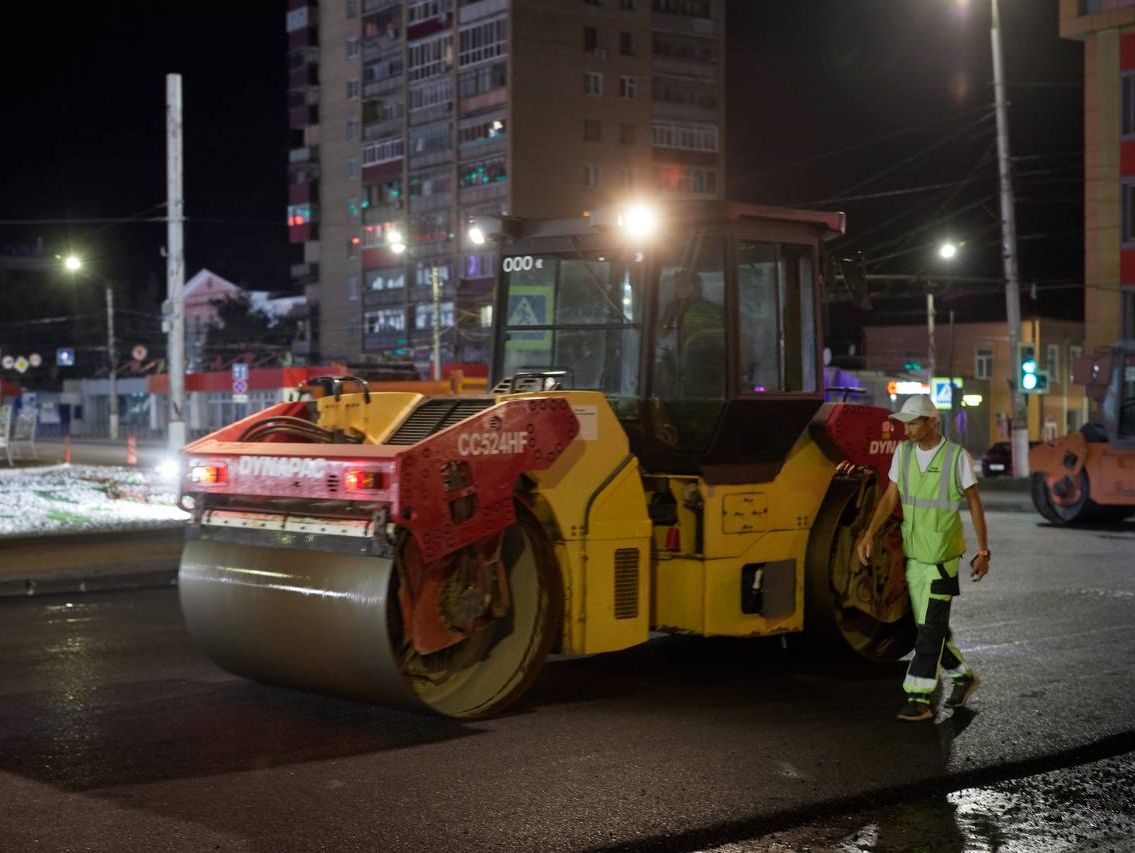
(824, 96)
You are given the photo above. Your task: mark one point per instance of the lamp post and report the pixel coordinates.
(72, 263)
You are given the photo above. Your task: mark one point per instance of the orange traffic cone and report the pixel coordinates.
(131, 450)
(67, 449)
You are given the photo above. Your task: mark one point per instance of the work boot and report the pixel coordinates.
(962, 691)
(914, 711)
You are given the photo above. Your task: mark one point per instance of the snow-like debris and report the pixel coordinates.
(84, 499)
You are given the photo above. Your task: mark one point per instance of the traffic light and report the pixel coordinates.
(1027, 378)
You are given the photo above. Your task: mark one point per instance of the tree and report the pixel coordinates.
(242, 330)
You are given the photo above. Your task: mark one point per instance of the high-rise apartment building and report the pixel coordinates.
(410, 116)
(1107, 29)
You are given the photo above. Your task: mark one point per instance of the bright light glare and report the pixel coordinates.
(639, 220)
(398, 248)
(394, 236)
(476, 235)
(169, 468)
(947, 251)
(72, 263)
(1029, 381)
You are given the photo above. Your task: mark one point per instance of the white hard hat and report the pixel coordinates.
(915, 407)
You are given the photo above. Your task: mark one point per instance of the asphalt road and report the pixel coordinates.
(116, 734)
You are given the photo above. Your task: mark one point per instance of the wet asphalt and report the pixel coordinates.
(117, 734)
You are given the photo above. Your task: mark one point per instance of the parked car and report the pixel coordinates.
(997, 461)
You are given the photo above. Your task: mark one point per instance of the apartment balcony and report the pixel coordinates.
(431, 203)
(484, 195)
(309, 154)
(685, 112)
(432, 26)
(390, 298)
(379, 88)
(303, 233)
(303, 76)
(305, 273)
(482, 9)
(304, 116)
(684, 24)
(702, 69)
(382, 129)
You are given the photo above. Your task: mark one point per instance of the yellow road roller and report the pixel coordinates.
(654, 453)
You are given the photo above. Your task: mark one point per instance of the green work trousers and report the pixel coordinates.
(932, 587)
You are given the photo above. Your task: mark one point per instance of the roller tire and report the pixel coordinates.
(830, 628)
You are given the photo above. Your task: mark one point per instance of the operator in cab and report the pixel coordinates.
(931, 476)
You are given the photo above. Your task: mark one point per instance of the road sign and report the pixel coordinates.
(240, 398)
(240, 386)
(7, 362)
(240, 371)
(21, 364)
(35, 360)
(65, 357)
(139, 352)
(941, 392)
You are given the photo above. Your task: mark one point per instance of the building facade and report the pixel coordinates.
(978, 354)
(410, 116)
(1107, 29)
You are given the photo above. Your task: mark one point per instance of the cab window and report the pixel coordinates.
(777, 335)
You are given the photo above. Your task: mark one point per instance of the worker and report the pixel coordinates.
(931, 475)
(700, 326)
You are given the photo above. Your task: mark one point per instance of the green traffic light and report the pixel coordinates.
(1029, 366)
(1029, 380)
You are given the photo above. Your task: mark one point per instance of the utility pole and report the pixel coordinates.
(434, 280)
(113, 359)
(175, 264)
(1020, 434)
(931, 349)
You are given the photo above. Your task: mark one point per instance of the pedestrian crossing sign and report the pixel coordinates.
(941, 392)
(529, 306)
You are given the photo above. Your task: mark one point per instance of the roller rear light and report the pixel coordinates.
(208, 475)
(359, 480)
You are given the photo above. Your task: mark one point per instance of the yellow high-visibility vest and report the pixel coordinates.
(931, 503)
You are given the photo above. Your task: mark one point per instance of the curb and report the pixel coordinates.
(82, 562)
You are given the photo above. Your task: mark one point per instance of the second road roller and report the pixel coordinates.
(654, 453)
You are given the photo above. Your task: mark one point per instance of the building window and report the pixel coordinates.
(983, 364)
(299, 214)
(353, 169)
(491, 171)
(382, 151)
(1128, 212)
(352, 288)
(478, 266)
(592, 130)
(696, 180)
(627, 46)
(590, 176)
(626, 133)
(352, 47)
(352, 89)
(626, 177)
(692, 8)
(384, 321)
(486, 78)
(1052, 362)
(482, 42)
(431, 93)
(1128, 321)
(390, 278)
(352, 129)
(593, 40)
(430, 58)
(670, 46)
(431, 137)
(352, 8)
(474, 131)
(628, 87)
(592, 83)
(1128, 103)
(424, 10)
(685, 136)
(424, 315)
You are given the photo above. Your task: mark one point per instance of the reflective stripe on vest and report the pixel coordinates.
(932, 527)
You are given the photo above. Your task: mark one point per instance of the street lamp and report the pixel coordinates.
(73, 264)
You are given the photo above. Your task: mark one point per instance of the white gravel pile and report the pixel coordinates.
(84, 499)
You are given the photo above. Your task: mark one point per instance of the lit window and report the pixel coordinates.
(299, 214)
(983, 364)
